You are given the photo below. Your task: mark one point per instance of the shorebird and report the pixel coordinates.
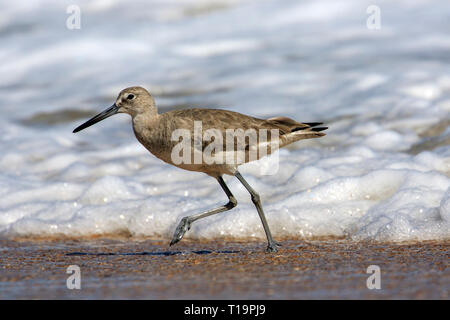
(155, 132)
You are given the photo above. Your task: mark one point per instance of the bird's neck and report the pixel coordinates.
(143, 123)
(145, 119)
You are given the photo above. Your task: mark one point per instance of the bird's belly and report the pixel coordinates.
(211, 169)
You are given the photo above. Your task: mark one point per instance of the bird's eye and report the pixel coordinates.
(130, 96)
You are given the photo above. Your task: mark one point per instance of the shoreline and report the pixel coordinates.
(193, 269)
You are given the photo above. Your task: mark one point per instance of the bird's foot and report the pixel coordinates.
(273, 246)
(183, 226)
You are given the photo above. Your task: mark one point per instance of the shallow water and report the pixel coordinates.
(381, 173)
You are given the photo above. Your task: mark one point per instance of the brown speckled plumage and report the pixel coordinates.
(154, 131)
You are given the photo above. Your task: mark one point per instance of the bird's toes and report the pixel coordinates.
(181, 229)
(176, 237)
(273, 247)
(174, 240)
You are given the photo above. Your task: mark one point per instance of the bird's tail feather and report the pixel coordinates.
(292, 130)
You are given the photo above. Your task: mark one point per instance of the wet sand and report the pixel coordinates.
(150, 269)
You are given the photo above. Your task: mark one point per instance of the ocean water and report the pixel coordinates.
(381, 173)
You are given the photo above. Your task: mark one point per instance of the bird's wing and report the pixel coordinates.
(218, 121)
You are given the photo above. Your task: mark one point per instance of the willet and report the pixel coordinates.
(156, 133)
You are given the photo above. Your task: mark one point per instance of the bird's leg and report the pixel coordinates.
(185, 223)
(272, 245)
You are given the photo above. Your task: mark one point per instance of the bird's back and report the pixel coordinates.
(223, 120)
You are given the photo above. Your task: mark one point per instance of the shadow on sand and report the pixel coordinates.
(145, 253)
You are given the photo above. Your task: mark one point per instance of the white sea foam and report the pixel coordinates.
(381, 173)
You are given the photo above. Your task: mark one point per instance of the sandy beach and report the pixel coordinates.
(150, 269)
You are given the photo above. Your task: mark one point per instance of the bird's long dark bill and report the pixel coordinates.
(102, 115)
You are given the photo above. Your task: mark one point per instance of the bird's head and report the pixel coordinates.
(132, 100)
